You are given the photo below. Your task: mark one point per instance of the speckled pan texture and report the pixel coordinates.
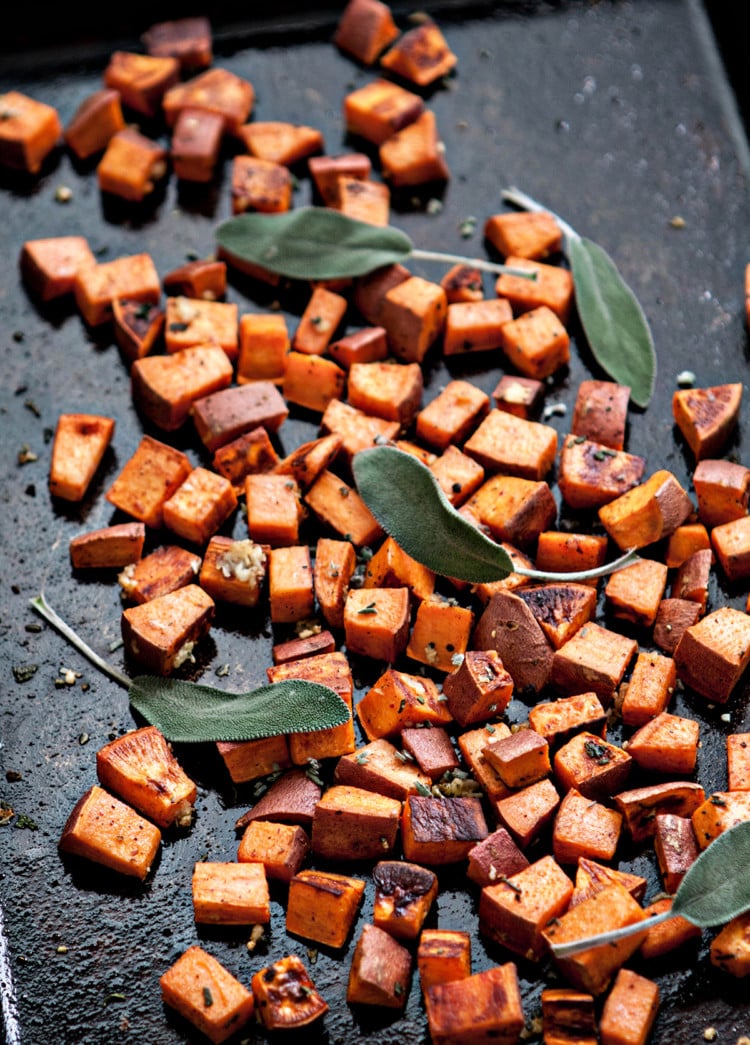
(618, 116)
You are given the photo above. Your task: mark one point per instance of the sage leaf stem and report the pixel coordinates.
(44, 609)
(477, 263)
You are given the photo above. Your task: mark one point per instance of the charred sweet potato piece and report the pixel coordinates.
(260, 185)
(137, 326)
(380, 109)
(510, 628)
(29, 131)
(707, 416)
(304, 646)
(365, 29)
(463, 282)
(495, 858)
(640, 806)
(105, 830)
(111, 547)
(78, 448)
(515, 911)
(561, 609)
(230, 894)
(443, 955)
(291, 799)
(48, 266)
(141, 80)
(584, 827)
(381, 767)
(249, 453)
(186, 39)
(141, 769)
(483, 1007)
(285, 996)
(164, 388)
(404, 893)
(592, 474)
(432, 750)
(160, 634)
(165, 569)
(441, 830)
(280, 848)
(323, 906)
(730, 949)
(712, 654)
(525, 234)
(521, 396)
(352, 824)
(676, 848)
(568, 1016)
(629, 1010)
(509, 444)
(415, 154)
(380, 971)
(208, 996)
(421, 55)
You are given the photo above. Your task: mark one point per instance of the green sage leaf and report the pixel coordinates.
(312, 243)
(407, 501)
(613, 321)
(186, 712)
(716, 887)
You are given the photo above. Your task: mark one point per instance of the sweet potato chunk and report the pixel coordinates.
(648, 512)
(105, 830)
(292, 799)
(193, 321)
(634, 592)
(365, 29)
(224, 416)
(380, 971)
(290, 584)
(712, 654)
(29, 131)
(198, 507)
(274, 512)
(521, 396)
(404, 893)
(520, 759)
(596, 658)
(131, 166)
(398, 700)
(165, 569)
(557, 720)
(731, 542)
(585, 828)
(160, 635)
(441, 632)
(526, 813)
(480, 688)
(137, 325)
(352, 824)
(432, 749)
(376, 622)
(629, 1010)
(323, 906)
(730, 949)
(676, 848)
(642, 805)
(600, 413)
(77, 451)
(707, 416)
(186, 39)
(443, 955)
(514, 912)
(279, 142)
(230, 894)
(494, 858)
(233, 571)
(722, 489)
(666, 744)
(720, 811)
(97, 287)
(379, 109)
(552, 287)
(202, 991)
(591, 765)
(508, 627)
(480, 1008)
(561, 609)
(441, 830)
(250, 759)
(196, 141)
(216, 90)
(592, 474)
(280, 848)
(381, 767)
(508, 444)
(649, 691)
(49, 266)
(112, 546)
(536, 343)
(164, 388)
(413, 313)
(421, 55)
(285, 996)
(514, 509)
(525, 234)
(141, 80)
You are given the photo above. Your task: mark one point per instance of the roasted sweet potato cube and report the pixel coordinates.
(558, 552)
(398, 700)
(304, 646)
(391, 567)
(629, 1010)
(667, 936)
(432, 750)
(520, 759)
(380, 109)
(526, 813)
(666, 744)
(646, 513)
(381, 767)
(413, 314)
(368, 345)
(592, 877)
(78, 448)
(586, 828)
(195, 145)
(707, 417)
(601, 412)
(676, 848)
(191, 322)
(404, 893)
(731, 543)
(508, 626)
(291, 799)
(414, 155)
(596, 658)
(230, 894)
(197, 509)
(165, 569)
(592, 474)
(376, 622)
(693, 578)
(319, 321)
(97, 287)
(285, 996)
(332, 670)
(357, 430)
(738, 761)
(552, 287)
(308, 461)
(641, 805)
(141, 769)
(216, 90)
(441, 632)
(364, 200)
(260, 185)
(97, 118)
(479, 689)
(480, 1008)
(494, 858)
(311, 382)
(557, 720)
(634, 592)
(205, 278)
(105, 830)
(365, 29)
(514, 912)
(29, 131)
(441, 830)
(186, 39)
(164, 388)
(380, 972)
(471, 744)
(248, 453)
(352, 824)
(273, 509)
(108, 548)
(335, 562)
(511, 445)
(684, 542)
(712, 654)
(208, 996)
(527, 234)
(290, 584)
(452, 415)
(443, 955)
(536, 343)
(141, 80)
(521, 396)
(730, 949)
(384, 390)
(463, 282)
(233, 571)
(49, 266)
(251, 759)
(611, 908)
(568, 1016)
(592, 766)
(649, 691)
(326, 172)
(137, 325)
(720, 811)
(131, 166)
(280, 848)
(160, 634)
(263, 347)
(673, 618)
(561, 609)
(421, 55)
(285, 143)
(323, 906)
(475, 326)
(722, 489)
(339, 507)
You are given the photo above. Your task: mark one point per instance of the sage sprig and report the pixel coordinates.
(612, 319)
(407, 501)
(321, 243)
(715, 889)
(186, 712)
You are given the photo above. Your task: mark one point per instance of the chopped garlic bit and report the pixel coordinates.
(126, 579)
(305, 629)
(256, 936)
(184, 653)
(515, 393)
(185, 310)
(685, 378)
(245, 561)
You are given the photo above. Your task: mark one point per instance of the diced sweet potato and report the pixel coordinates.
(376, 622)
(552, 287)
(441, 631)
(600, 413)
(421, 55)
(629, 1010)
(432, 750)
(290, 584)
(264, 344)
(463, 282)
(592, 877)
(586, 828)
(561, 609)
(233, 571)
(526, 813)
(280, 142)
(673, 618)
(415, 155)
(248, 453)
(666, 744)
(634, 592)
(285, 996)
(650, 689)
(592, 474)
(730, 949)
(251, 759)
(475, 326)
(216, 90)
(693, 577)
(312, 382)
(164, 388)
(364, 200)
(668, 936)
(398, 700)
(712, 654)
(471, 744)
(413, 313)
(404, 893)
(591, 765)
(304, 646)
(108, 548)
(335, 562)
(676, 848)
(480, 1008)
(738, 761)
(515, 510)
(525, 234)
(731, 542)
(722, 489)
(208, 996)
(380, 971)
(443, 955)
(352, 824)
(29, 131)
(131, 166)
(511, 445)
(646, 513)
(79, 445)
(521, 396)
(137, 326)
(381, 767)
(596, 658)
(205, 278)
(141, 80)
(357, 430)
(160, 634)
(707, 416)
(96, 287)
(557, 720)
(186, 39)
(292, 799)
(49, 266)
(520, 759)
(165, 569)
(368, 345)
(274, 511)
(199, 506)
(141, 769)
(510, 628)
(480, 688)
(323, 906)
(365, 29)
(568, 1016)
(441, 830)
(514, 912)
(391, 567)
(684, 542)
(105, 830)
(495, 858)
(192, 321)
(379, 109)
(280, 848)
(326, 171)
(230, 894)
(536, 343)
(641, 805)
(452, 415)
(720, 811)
(195, 146)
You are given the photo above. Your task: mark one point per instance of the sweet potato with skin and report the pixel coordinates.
(368, 345)
(404, 893)
(640, 806)
(479, 689)
(161, 634)
(629, 1010)
(676, 848)
(707, 416)
(48, 266)
(77, 451)
(591, 474)
(712, 654)
(526, 813)
(648, 512)
(206, 995)
(248, 453)
(105, 830)
(379, 109)
(380, 971)
(568, 1016)
(186, 39)
(431, 749)
(634, 592)
(165, 569)
(292, 799)
(557, 720)
(307, 646)
(216, 90)
(352, 824)
(684, 542)
(471, 744)
(673, 618)
(280, 848)
(508, 627)
(600, 413)
(693, 577)
(381, 767)
(494, 858)
(413, 313)
(137, 326)
(480, 1008)
(205, 278)
(438, 831)
(561, 609)
(223, 416)
(521, 396)
(323, 906)
(111, 547)
(514, 912)
(365, 29)
(164, 388)
(397, 700)
(326, 171)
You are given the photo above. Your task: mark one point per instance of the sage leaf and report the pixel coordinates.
(407, 501)
(312, 243)
(612, 319)
(187, 712)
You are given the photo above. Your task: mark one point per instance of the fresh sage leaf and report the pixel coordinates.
(321, 243)
(715, 889)
(312, 243)
(187, 712)
(407, 501)
(612, 319)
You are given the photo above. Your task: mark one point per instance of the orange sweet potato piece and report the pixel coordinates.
(273, 509)
(364, 200)
(557, 720)
(514, 509)
(526, 813)
(164, 388)
(441, 632)
(496, 857)
(285, 996)
(738, 761)
(510, 628)
(335, 562)
(49, 266)
(216, 90)
(384, 390)
(479, 688)
(414, 155)
(380, 970)
(601, 412)
(141, 80)
(413, 313)
(666, 744)
(165, 569)
(193, 321)
(591, 765)
(319, 322)
(520, 759)
(233, 571)
(110, 547)
(676, 848)
(452, 415)
(432, 749)
(78, 448)
(326, 172)
(290, 584)
(230, 894)
(137, 326)
(525, 234)
(673, 618)
(160, 634)
(514, 912)
(707, 416)
(280, 848)
(595, 658)
(131, 166)
(730, 949)
(634, 592)
(511, 445)
(722, 489)
(684, 542)
(248, 453)
(397, 700)
(458, 476)
(720, 811)
(642, 805)
(552, 287)
(381, 767)
(561, 609)
(585, 828)
(521, 396)
(195, 146)
(693, 577)
(712, 654)
(186, 39)
(105, 830)
(339, 506)
(368, 345)
(311, 382)
(29, 131)
(391, 567)
(365, 29)
(376, 622)
(380, 109)
(260, 185)
(96, 287)
(251, 759)
(443, 955)
(471, 744)
(649, 691)
(223, 416)
(280, 142)
(421, 55)
(204, 278)
(668, 936)
(291, 799)
(141, 769)
(323, 906)
(592, 877)
(731, 543)
(558, 552)
(484, 1007)
(356, 429)
(591, 474)
(475, 326)
(629, 1010)
(208, 996)
(352, 824)
(463, 282)
(198, 507)
(441, 830)
(404, 893)
(568, 1015)
(536, 343)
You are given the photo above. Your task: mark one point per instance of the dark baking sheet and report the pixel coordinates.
(619, 116)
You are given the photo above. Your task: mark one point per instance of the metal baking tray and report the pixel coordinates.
(617, 115)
